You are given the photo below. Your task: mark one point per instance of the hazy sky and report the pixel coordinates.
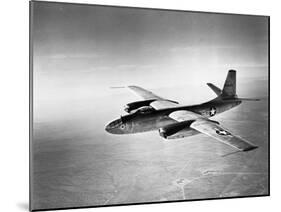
(80, 51)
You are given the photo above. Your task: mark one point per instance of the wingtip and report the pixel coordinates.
(250, 148)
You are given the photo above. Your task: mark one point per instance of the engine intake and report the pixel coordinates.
(136, 105)
(131, 107)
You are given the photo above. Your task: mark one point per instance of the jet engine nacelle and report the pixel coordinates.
(131, 107)
(177, 130)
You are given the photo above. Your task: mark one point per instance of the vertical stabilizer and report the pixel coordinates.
(229, 88)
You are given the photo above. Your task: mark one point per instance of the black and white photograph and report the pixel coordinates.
(137, 105)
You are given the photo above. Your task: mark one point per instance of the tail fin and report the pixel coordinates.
(229, 88)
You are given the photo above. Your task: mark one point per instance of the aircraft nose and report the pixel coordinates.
(108, 128)
(114, 127)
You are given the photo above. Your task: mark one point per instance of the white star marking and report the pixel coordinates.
(222, 132)
(212, 111)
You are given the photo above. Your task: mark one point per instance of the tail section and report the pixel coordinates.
(229, 88)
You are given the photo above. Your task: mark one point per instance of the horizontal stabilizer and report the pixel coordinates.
(248, 99)
(114, 87)
(215, 88)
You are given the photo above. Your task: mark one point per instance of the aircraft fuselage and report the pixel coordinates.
(155, 119)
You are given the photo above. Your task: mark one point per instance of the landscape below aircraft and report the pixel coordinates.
(173, 120)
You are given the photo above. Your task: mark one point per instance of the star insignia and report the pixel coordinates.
(212, 111)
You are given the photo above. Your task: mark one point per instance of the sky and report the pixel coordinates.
(80, 51)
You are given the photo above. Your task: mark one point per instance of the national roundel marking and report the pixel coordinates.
(222, 132)
(212, 111)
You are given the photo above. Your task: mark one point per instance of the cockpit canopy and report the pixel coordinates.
(141, 110)
(145, 110)
(134, 106)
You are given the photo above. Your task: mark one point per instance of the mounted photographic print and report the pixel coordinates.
(136, 105)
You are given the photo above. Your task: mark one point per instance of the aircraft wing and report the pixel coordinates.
(184, 115)
(212, 129)
(159, 103)
(145, 94)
